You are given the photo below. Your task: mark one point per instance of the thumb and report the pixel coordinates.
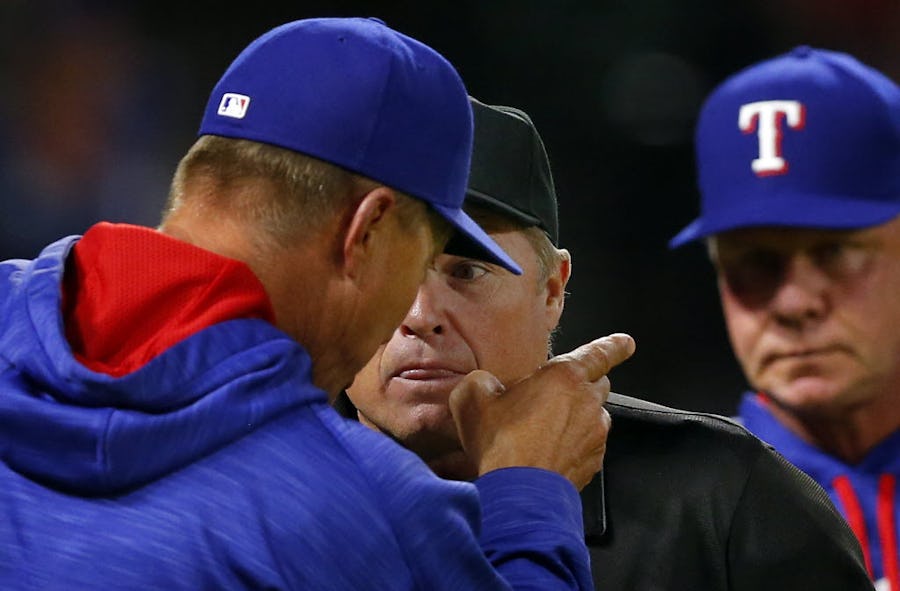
(466, 397)
(477, 384)
(468, 403)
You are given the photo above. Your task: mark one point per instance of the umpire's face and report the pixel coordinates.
(813, 316)
(468, 314)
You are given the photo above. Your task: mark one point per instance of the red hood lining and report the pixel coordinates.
(130, 293)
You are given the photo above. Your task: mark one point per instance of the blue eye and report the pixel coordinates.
(467, 270)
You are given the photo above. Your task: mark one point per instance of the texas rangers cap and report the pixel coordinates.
(808, 139)
(510, 170)
(360, 95)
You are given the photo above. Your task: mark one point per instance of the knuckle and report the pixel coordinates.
(606, 420)
(593, 465)
(603, 384)
(464, 394)
(600, 357)
(570, 370)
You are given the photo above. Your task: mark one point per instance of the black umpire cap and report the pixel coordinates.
(510, 170)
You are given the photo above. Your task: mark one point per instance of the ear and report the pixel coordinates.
(555, 287)
(367, 228)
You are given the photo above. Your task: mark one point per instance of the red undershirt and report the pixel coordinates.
(130, 293)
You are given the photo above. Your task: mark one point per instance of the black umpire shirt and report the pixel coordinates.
(693, 502)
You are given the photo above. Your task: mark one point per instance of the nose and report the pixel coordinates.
(801, 298)
(424, 318)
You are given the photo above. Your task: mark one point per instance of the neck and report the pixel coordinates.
(215, 233)
(453, 466)
(309, 300)
(849, 434)
(313, 306)
(333, 359)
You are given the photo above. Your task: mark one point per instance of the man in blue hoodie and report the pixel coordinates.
(164, 394)
(799, 173)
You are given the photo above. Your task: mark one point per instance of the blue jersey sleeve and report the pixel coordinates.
(517, 528)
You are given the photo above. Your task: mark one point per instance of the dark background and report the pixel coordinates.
(100, 100)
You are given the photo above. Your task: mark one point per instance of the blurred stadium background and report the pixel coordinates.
(100, 100)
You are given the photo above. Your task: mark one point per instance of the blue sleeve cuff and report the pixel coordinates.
(515, 500)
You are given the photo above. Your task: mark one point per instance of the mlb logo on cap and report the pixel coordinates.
(809, 139)
(234, 105)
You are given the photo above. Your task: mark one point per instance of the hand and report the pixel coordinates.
(553, 419)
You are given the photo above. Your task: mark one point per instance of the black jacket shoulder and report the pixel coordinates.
(690, 500)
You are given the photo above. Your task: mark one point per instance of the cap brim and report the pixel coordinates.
(471, 240)
(689, 233)
(795, 210)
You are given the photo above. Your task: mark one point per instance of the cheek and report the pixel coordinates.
(744, 328)
(402, 303)
(402, 293)
(367, 389)
(866, 314)
(874, 334)
(510, 339)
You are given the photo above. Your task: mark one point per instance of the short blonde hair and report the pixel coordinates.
(284, 193)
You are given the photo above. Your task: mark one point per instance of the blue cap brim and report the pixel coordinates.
(476, 240)
(796, 211)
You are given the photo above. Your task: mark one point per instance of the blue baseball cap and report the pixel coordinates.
(808, 139)
(357, 94)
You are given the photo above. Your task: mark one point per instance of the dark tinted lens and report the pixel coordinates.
(753, 276)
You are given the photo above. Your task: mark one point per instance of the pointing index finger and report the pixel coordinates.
(599, 356)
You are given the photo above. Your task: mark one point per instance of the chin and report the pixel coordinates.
(810, 395)
(433, 422)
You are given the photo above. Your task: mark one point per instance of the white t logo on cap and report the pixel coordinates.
(765, 118)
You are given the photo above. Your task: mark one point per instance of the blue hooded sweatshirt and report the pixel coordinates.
(216, 464)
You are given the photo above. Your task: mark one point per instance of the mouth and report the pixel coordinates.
(424, 385)
(428, 374)
(803, 354)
